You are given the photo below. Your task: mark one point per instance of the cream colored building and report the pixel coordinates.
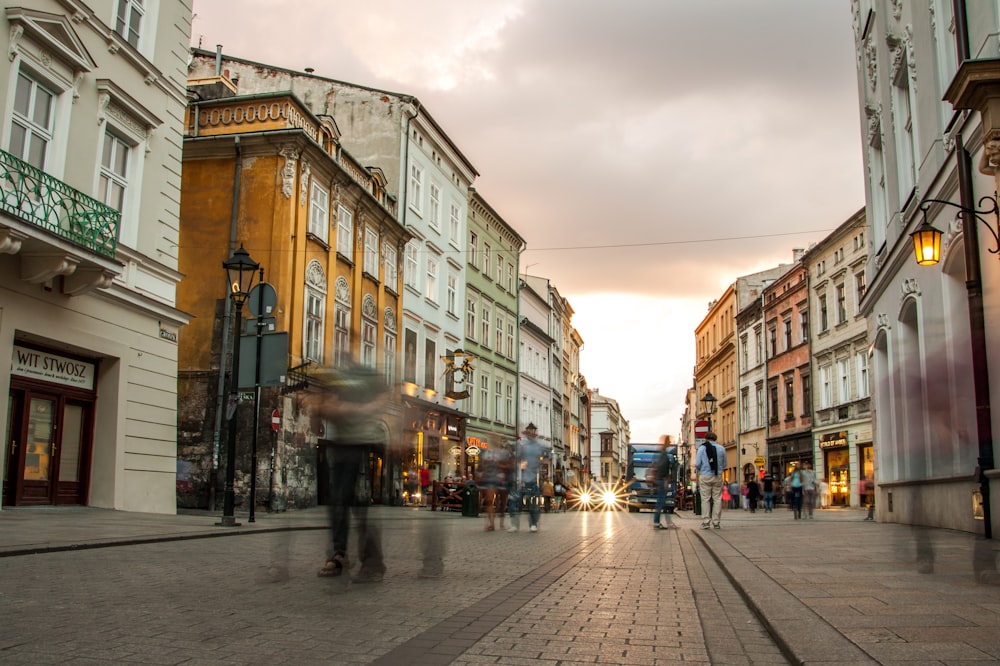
(92, 95)
(841, 391)
(715, 373)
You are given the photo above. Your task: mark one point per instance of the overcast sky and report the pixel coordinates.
(648, 151)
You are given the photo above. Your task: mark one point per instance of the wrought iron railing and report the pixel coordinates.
(36, 197)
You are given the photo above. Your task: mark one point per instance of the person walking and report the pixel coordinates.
(768, 493)
(753, 493)
(548, 492)
(794, 483)
(531, 453)
(809, 489)
(662, 473)
(709, 463)
(494, 467)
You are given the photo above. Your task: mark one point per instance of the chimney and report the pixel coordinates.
(798, 253)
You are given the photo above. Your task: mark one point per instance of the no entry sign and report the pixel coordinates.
(275, 420)
(700, 429)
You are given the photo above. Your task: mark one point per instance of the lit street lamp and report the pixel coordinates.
(927, 248)
(240, 269)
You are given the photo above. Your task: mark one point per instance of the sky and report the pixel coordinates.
(648, 151)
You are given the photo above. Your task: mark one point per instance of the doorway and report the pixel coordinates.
(48, 446)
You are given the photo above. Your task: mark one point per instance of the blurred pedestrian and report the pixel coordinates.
(768, 487)
(808, 489)
(663, 472)
(494, 467)
(548, 493)
(531, 453)
(794, 483)
(824, 493)
(425, 485)
(709, 463)
(753, 494)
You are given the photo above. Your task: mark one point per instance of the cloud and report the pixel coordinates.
(652, 148)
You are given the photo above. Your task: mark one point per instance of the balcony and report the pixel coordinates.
(55, 229)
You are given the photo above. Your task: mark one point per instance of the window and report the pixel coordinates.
(371, 252)
(319, 211)
(760, 404)
(789, 399)
(33, 121)
(409, 356)
(773, 335)
(744, 352)
(484, 396)
(128, 22)
(390, 276)
(430, 362)
(486, 320)
(345, 233)
(804, 325)
(758, 340)
(315, 312)
(434, 215)
(859, 289)
(416, 188)
(431, 285)
(498, 346)
(509, 404)
(313, 336)
(455, 224)
(473, 249)
(744, 410)
(368, 331)
(510, 339)
(807, 395)
(389, 355)
(486, 259)
(498, 400)
(787, 328)
(826, 387)
(341, 334)
(510, 278)
(452, 291)
(499, 269)
(841, 303)
(862, 364)
(773, 403)
(824, 314)
(843, 372)
(470, 319)
(114, 172)
(410, 265)
(902, 116)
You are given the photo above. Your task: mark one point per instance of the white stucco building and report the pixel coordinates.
(93, 94)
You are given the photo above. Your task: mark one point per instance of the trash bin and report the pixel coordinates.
(470, 501)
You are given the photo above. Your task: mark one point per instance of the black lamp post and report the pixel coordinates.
(710, 402)
(240, 269)
(927, 247)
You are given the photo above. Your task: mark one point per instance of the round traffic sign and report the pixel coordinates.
(700, 428)
(275, 420)
(262, 299)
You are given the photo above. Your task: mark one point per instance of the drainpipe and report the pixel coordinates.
(227, 329)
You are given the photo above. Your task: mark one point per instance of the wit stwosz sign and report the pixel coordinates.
(53, 368)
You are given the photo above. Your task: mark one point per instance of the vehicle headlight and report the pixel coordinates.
(585, 498)
(609, 498)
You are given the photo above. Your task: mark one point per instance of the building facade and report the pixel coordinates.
(609, 440)
(430, 177)
(491, 326)
(263, 173)
(841, 425)
(536, 374)
(789, 376)
(934, 360)
(93, 95)
(715, 373)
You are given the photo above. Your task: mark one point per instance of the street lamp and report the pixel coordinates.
(710, 402)
(240, 269)
(927, 247)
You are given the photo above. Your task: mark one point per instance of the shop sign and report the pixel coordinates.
(472, 451)
(53, 368)
(455, 450)
(833, 440)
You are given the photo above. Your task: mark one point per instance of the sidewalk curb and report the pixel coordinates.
(135, 541)
(802, 636)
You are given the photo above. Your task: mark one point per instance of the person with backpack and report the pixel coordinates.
(663, 475)
(709, 464)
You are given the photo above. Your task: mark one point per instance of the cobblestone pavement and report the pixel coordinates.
(91, 586)
(588, 588)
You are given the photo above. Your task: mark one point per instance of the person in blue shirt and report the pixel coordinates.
(662, 474)
(709, 464)
(532, 455)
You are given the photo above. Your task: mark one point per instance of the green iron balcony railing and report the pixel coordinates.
(34, 196)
